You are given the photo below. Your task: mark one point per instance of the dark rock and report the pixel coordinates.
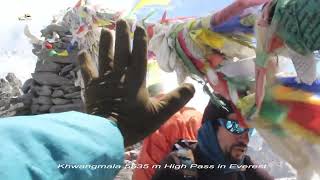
(27, 85)
(70, 89)
(47, 78)
(77, 101)
(69, 76)
(65, 70)
(12, 110)
(42, 100)
(66, 39)
(5, 95)
(37, 46)
(60, 101)
(47, 66)
(44, 108)
(35, 108)
(5, 86)
(73, 74)
(57, 93)
(5, 103)
(42, 54)
(43, 90)
(15, 100)
(36, 52)
(7, 113)
(35, 100)
(59, 45)
(66, 107)
(7, 92)
(26, 99)
(24, 111)
(73, 95)
(61, 30)
(13, 80)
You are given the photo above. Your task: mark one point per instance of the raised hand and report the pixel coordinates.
(117, 88)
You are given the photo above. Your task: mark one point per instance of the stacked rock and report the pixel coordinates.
(52, 86)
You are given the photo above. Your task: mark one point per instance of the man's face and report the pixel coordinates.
(234, 146)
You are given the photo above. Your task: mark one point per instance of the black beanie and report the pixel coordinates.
(213, 111)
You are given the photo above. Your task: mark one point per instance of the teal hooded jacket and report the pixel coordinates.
(60, 146)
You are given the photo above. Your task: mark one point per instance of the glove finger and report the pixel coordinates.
(138, 67)
(106, 92)
(159, 112)
(106, 104)
(88, 69)
(105, 52)
(122, 46)
(173, 101)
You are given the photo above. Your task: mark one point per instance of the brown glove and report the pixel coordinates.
(117, 89)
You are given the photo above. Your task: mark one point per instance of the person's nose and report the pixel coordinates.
(244, 138)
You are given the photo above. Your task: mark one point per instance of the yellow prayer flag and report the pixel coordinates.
(63, 53)
(207, 37)
(283, 93)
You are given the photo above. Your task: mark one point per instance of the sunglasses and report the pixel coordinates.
(234, 127)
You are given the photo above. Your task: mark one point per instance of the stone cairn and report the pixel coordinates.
(55, 83)
(52, 86)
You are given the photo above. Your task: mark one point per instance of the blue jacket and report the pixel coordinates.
(60, 146)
